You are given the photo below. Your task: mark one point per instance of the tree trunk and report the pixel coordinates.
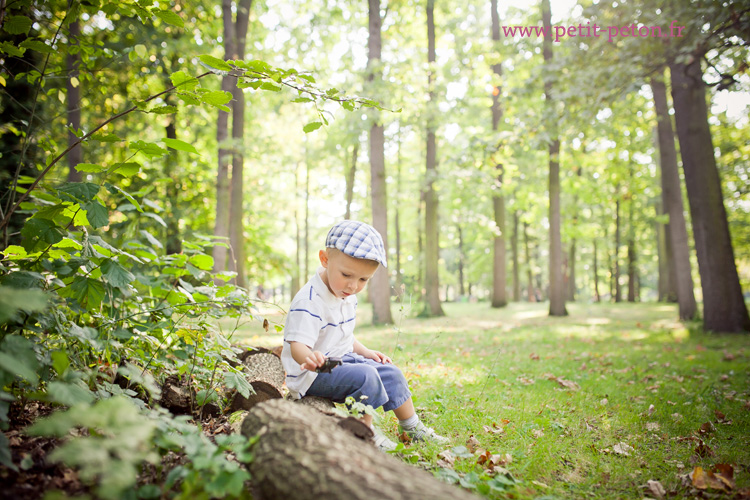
(616, 273)
(724, 308)
(632, 271)
(380, 287)
(297, 239)
(396, 217)
(570, 291)
(432, 232)
(174, 242)
(556, 277)
(516, 260)
(306, 243)
(73, 101)
(597, 296)
(302, 454)
(529, 268)
(676, 232)
(236, 208)
(350, 176)
(499, 295)
(221, 225)
(461, 259)
(667, 290)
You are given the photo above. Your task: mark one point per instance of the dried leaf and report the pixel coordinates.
(568, 384)
(728, 356)
(534, 356)
(472, 444)
(651, 410)
(652, 426)
(715, 479)
(525, 381)
(494, 429)
(484, 456)
(404, 438)
(656, 489)
(720, 417)
(706, 428)
(537, 433)
(265, 324)
(623, 449)
(447, 458)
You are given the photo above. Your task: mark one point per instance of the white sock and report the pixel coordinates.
(410, 423)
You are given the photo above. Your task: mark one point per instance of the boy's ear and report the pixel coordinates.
(323, 256)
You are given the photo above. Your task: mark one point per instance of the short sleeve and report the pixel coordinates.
(303, 323)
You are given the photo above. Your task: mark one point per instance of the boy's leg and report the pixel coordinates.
(352, 379)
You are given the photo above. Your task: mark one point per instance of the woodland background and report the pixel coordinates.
(168, 164)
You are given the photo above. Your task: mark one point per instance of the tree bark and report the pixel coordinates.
(724, 308)
(350, 176)
(396, 217)
(380, 286)
(516, 260)
(678, 250)
(616, 273)
(667, 290)
(236, 209)
(221, 225)
(461, 260)
(73, 101)
(597, 296)
(529, 268)
(632, 271)
(171, 162)
(302, 454)
(499, 294)
(432, 231)
(571, 281)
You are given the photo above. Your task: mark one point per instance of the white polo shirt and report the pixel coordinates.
(321, 321)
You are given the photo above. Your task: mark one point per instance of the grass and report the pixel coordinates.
(635, 377)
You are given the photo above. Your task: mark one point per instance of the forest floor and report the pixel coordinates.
(612, 401)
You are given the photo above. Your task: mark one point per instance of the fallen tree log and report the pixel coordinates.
(302, 454)
(265, 373)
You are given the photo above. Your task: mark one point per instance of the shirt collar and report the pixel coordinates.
(328, 298)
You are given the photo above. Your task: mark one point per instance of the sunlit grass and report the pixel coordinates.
(477, 367)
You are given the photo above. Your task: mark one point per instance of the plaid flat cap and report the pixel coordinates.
(357, 239)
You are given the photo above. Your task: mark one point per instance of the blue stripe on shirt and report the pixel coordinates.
(308, 312)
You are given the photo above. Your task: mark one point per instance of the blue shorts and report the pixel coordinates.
(382, 384)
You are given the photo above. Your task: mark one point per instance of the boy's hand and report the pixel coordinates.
(378, 356)
(314, 360)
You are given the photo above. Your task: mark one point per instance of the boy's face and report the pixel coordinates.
(345, 275)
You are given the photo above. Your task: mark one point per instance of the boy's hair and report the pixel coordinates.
(357, 239)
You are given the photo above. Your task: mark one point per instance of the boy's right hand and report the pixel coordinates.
(314, 360)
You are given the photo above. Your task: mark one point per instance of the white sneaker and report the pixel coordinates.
(423, 433)
(382, 442)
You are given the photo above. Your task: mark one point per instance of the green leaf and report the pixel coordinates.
(183, 81)
(216, 97)
(215, 62)
(106, 138)
(149, 149)
(60, 361)
(18, 368)
(88, 292)
(151, 239)
(163, 110)
(128, 169)
(37, 45)
(302, 99)
(11, 49)
(312, 126)
(180, 145)
(114, 189)
(89, 167)
(270, 86)
(35, 231)
(96, 213)
(17, 25)
(238, 381)
(202, 261)
(68, 394)
(13, 300)
(170, 17)
(141, 50)
(80, 191)
(5, 456)
(116, 275)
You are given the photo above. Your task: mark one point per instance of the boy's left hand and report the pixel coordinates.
(378, 356)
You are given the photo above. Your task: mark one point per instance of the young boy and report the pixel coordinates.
(320, 324)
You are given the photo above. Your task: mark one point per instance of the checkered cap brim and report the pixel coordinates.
(358, 240)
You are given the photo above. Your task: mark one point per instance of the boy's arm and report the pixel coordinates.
(370, 354)
(306, 357)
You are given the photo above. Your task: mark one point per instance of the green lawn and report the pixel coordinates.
(593, 405)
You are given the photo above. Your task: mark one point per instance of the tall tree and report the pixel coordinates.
(432, 231)
(351, 174)
(380, 287)
(724, 308)
(499, 294)
(556, 275)
(677, 249)
(229, 197)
